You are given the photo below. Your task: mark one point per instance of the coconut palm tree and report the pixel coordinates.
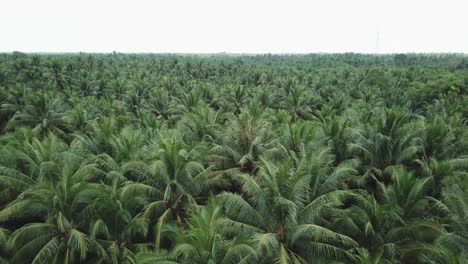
(55, 75)
(51, 209)
(284, 211)
(181, 180)
(456, 200)
(201, 240)
(238, 149)
(438, 140)
(391, 142)
(43, 113)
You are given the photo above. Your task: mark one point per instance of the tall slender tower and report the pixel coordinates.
(377, 40)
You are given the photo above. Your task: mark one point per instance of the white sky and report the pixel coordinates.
(237, 26)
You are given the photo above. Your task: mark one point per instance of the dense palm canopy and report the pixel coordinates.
(217, 159)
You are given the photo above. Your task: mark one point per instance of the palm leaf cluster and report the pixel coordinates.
(217, 159)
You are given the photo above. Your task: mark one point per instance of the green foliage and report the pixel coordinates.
(233, 159)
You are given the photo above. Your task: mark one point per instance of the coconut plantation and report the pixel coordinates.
(227, 159)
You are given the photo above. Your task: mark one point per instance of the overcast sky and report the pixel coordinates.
(237, 26)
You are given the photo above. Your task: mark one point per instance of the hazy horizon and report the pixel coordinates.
(241, 27)
(233, 53)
